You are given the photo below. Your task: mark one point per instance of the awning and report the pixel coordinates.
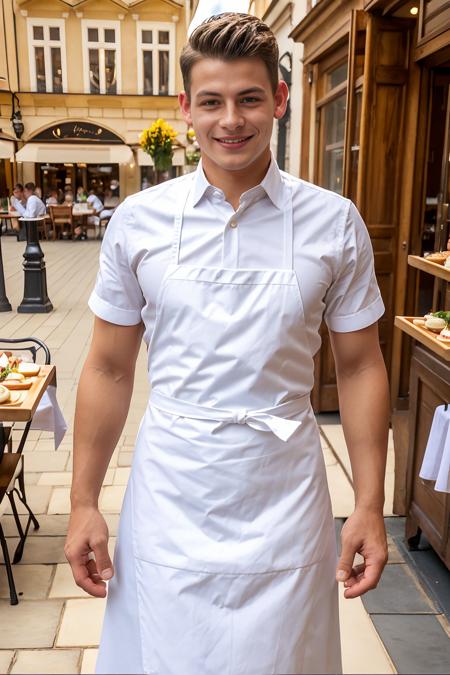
(6, 149)
(60, 153)
(143, 159)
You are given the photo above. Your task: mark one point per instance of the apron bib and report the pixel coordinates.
(231, 521)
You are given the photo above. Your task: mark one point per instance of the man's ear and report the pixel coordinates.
(185, 107)
(281, 97)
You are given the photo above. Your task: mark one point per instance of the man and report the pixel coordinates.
(226, 556)
(34, 207)
(18, 200)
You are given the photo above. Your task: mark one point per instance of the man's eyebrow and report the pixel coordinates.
(250, 90)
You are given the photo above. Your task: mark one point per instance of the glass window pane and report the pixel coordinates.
(38, 32)
(40, 68)
(148, 72)
(54, 33)
(55, 53)
(110, 35)
(335, 121)
(110, 71)
(164, 73)
(94, 72)
(147, 37)
(337, 76)
(333, 158)
(92, 34)
(163, 37)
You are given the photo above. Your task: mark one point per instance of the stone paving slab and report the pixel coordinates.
(46, 661)
(32, 581)
(81, 623)
(398, 593)
(416, 643)
(6, 657)
(31, 623)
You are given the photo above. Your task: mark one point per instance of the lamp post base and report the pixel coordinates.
(5, 305)
(35, 298)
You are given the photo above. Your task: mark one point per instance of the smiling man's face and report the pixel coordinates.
(232, 107)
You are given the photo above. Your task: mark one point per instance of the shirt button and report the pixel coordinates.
(233, 224)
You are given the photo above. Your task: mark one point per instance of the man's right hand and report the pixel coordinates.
(88, 534)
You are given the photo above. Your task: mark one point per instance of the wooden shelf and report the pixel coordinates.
(430, 267)
(422, 335)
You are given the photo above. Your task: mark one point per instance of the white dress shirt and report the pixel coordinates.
(17, 205)
(95, 203)
(333, 256)
(35, 207)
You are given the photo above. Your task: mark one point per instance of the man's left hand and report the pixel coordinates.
(362, 533)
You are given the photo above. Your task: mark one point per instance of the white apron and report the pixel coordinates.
(226, 554)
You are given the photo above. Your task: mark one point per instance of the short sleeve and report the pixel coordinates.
(117, 296)
(353, 301)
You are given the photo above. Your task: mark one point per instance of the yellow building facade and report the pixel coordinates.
(84, 78)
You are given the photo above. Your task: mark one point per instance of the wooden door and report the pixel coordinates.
(379, 51)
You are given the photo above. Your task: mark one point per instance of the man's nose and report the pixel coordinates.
(232, 117)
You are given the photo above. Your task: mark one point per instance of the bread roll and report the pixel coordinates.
(14, 376)
(4, 394)
(17, 384)
(28, 369)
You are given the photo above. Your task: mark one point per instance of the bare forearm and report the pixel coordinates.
(103, 400)
(364, 406)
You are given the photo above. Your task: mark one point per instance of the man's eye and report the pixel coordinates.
(250, 99)
(210, 103)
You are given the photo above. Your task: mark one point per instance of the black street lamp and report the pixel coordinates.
(286, 74)
(5, 305)
(35, 298)
(16, 117)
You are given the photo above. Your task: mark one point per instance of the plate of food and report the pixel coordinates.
(9, 397)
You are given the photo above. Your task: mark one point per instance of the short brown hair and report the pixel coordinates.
(230, 36)
(30, 186)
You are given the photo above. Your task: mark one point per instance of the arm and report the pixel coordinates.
(364, 405)
(17, 206)
(103, 399)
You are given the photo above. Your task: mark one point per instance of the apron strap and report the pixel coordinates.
(178, 224)
(288, 228)
(276, 420)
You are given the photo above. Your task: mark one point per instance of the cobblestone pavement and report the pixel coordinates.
(56, 626)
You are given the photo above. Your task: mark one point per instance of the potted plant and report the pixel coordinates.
(157, 141)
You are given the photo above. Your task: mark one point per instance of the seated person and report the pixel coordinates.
(18, 200)
(52, 198)
(94, 203)
(34, 208)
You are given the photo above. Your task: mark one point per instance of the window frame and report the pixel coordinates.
(155, 49)
(46, 44)
(101, 45)
(326, 95)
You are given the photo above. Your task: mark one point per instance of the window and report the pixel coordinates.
(331, 106)
(101, 53)
(156, 58)
(46, 39)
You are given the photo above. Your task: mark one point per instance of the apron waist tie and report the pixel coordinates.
(275, 420)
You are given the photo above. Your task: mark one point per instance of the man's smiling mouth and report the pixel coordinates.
(233, 140)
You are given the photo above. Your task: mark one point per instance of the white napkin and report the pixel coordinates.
(48, 416)
(436, 461)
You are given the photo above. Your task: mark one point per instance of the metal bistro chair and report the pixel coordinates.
(12, 482)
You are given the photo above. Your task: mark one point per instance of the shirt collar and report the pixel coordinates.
(272, 184)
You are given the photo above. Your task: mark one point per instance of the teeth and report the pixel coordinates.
(236, 140)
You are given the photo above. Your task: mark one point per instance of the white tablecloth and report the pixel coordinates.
(436, 461)
(48, 416)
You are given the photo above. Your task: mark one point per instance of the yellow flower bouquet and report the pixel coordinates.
(157, 141)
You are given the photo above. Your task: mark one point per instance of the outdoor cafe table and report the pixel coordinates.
(23, 409)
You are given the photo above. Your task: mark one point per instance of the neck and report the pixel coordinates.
(234, 183)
